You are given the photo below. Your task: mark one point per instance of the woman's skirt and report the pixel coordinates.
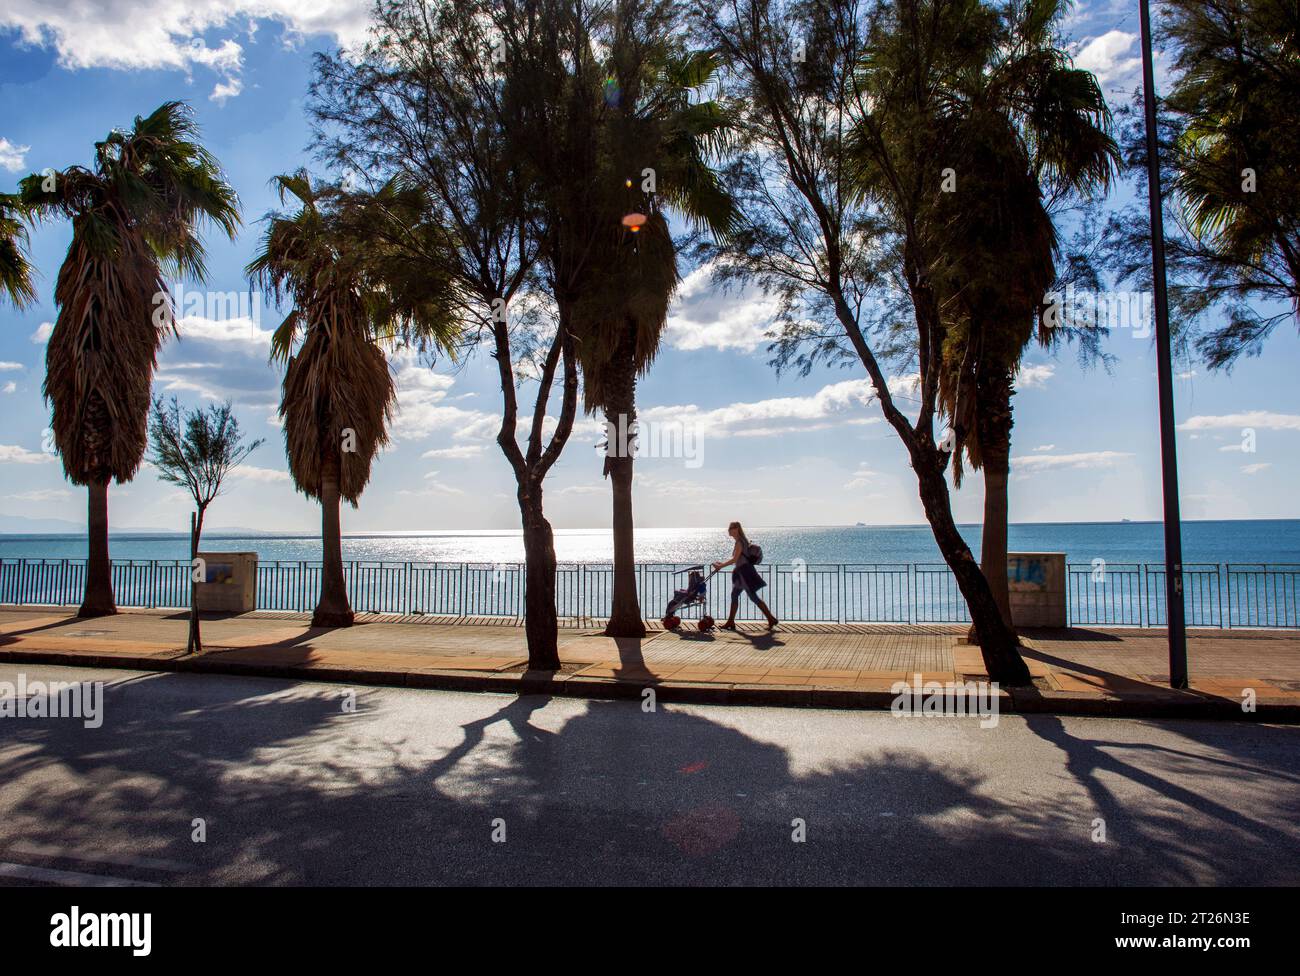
(745, 579)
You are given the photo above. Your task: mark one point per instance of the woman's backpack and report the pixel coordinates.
(754, 553)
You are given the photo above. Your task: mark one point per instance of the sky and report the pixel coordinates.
(762, 448)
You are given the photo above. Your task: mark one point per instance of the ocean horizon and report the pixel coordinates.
(1204, 541)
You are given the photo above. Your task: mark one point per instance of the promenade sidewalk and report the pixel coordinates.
(1120, 672)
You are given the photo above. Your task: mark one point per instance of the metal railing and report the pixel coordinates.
(1112, 594)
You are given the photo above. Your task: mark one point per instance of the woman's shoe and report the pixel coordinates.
(772, 622)
(726, 626)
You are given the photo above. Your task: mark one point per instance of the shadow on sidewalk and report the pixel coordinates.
(71, 619)
(409, 787)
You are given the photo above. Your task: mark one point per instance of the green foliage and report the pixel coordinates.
(196, 449)
(16, 272)
(605, 112)
(1229, 142)
(1022, 129)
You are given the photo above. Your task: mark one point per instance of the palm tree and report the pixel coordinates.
(15, 270)
(134, 213)
(1025, 128)
(350, 292)
(626, 286)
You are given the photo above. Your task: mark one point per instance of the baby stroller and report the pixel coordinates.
(692, 595)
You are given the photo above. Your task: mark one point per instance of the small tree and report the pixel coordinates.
(196, 449)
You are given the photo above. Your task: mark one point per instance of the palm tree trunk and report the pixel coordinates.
(620, 416)
(333, 609)
(98, 599)
(992, 558)
(995, 422)
(993, 540)
(541, 624)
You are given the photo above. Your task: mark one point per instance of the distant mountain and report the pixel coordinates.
(18, 524)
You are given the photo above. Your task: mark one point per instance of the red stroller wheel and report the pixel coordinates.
(707, 622)
(671, 621)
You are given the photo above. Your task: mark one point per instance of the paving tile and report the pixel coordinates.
(1091, 662)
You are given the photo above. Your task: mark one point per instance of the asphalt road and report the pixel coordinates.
(426, 787)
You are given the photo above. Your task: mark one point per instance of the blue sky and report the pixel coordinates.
(772, 450)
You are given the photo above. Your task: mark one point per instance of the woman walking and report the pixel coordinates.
(744, 578)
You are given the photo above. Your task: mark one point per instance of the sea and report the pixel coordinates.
(1237, 541)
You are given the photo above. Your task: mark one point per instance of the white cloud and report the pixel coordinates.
(459, 452)
(423, 407)
(42, 495)
(1255, 468)
(239, 329)
(1236, 421)
(832, 405)
(42, 334)
(1044, 447)
(13, 454)
(862, 478)
(226, 89)
(686, 489)
(6, 367)
(251, 472)
(175, 34)
(1107, 56)
(704, 317)
(13, 157)
(907, 386)
(432, 488)
(216, 358)
(1035, 376)
(1088, 459)
(9, 387)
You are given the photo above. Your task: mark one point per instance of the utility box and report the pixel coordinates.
(230, 582)
(1036, 581)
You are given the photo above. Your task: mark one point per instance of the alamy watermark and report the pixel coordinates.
(950, 699)
(218, 306)
(75, 929)
(53, 699)
(654, 439)
(1083, 309)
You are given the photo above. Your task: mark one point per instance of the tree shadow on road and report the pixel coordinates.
(1197, 800)
(294, 788)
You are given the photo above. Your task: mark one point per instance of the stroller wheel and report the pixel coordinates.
(707, 622)
(671, 621)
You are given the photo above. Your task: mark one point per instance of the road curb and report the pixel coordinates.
(1025, 701)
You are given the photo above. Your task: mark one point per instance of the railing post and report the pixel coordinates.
(1143, 590)
(1218, 592)
(911, 567)
(842, 614)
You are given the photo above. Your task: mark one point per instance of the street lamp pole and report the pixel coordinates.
(1174, 616)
